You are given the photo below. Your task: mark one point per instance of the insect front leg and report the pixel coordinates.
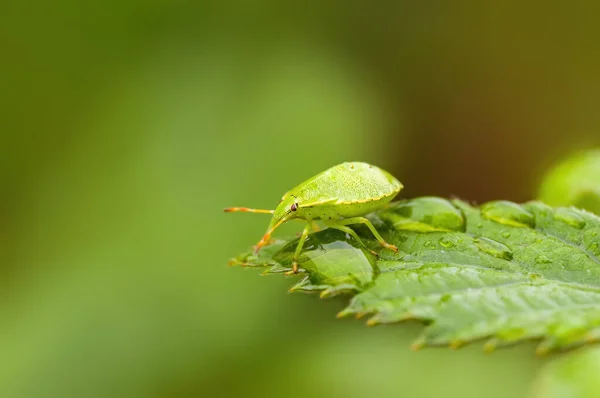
(363, 220)
(350, 232)
(267, 236)
(305, 232)
(315, 227)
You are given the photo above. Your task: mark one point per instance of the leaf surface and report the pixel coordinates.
(501, 272)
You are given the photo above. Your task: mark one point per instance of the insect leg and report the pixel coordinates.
(267, 237)
(363, 220)
(350, 232)
(305, 232)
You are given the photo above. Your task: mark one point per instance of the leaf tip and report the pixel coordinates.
(456, 344)
(233, 262)
(360, 314)
(590, 338)
(296, 288)
(490, 346)
(417, 344)
(407, 316)
(300, 286)
(543, 348)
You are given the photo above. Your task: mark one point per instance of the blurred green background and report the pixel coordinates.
(127, 126)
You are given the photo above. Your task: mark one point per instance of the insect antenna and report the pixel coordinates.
(247, 210)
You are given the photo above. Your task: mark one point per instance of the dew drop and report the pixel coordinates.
(594, 233)
(507, 213)
(494, 248)
(427, 214)
(446, 242)
(428, 243)
(332, 259)
(506, 234)
(569, 217)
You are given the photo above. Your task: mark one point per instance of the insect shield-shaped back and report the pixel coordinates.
(340, 196)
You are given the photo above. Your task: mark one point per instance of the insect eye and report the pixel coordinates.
(294, 207)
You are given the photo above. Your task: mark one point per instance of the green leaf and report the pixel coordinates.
(574, 182)
(502, 272)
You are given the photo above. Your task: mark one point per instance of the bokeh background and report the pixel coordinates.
(127, 126)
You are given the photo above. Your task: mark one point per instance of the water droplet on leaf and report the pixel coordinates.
(569, 217)
(507, 213)
(446, 242)
(494, 248)
(426, 214)
(332, 259)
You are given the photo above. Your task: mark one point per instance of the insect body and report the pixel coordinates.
(339, 196)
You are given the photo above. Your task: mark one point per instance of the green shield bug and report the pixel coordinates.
(339, 196)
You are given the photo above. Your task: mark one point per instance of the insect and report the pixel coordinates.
(338, 196)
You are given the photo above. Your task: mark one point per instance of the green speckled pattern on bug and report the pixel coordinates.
(347, 190)
(340, 196)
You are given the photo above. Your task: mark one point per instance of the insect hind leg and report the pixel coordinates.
(363, 220)
(350, 232)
